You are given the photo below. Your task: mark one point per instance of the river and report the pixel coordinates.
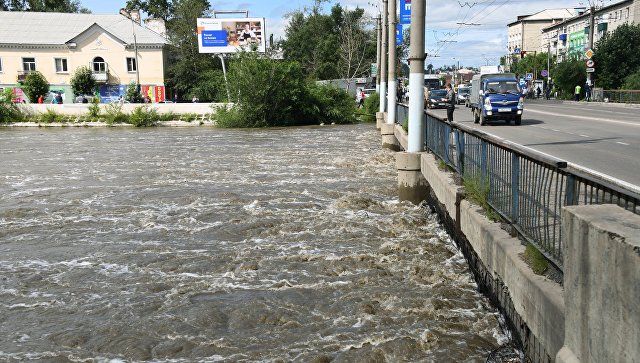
(209, 245)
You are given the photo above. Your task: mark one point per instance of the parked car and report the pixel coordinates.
(78, 99)
(436, 98)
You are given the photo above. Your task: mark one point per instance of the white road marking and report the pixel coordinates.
(585, 135)
(622, 143)
(585, 118)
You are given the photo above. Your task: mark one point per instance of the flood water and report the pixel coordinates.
(206, 245)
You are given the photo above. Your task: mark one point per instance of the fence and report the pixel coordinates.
(526, 188)
(616, 96)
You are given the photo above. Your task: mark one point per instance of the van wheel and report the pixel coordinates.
(476, 117)
(518, 120)
(483, 119)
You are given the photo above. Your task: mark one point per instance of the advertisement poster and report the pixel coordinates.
(230, 35)
(111, 92)
(155, 93)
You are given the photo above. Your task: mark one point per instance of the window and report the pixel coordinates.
(61, 65)
(132, 65)
(28, 64)
(0, 65)
(99, 66)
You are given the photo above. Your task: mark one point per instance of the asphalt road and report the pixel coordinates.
(602, 137)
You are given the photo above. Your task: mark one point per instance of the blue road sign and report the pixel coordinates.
(516, 51)
(529, 76)
(405, 12)
(522, 82)
(544, 73)
(399, 34)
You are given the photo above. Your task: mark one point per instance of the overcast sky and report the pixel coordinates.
(470, 45)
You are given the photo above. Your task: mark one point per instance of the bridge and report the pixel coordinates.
(534, 191)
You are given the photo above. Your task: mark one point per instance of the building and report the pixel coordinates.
(570, 38)
(525, 33)
(116, 48)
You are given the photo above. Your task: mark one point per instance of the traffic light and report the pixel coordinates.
(523, 53)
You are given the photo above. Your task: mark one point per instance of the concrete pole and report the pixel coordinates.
(592, 23)
(383, 58)
(378, 51)
(416, 77)
(391, 93)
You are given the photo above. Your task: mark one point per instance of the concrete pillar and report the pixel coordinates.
(412, 186)
(379, 119)
(389, 140)
(601, 285)
(379, 50)
(391, 66)
(383, 57)
(417, 121)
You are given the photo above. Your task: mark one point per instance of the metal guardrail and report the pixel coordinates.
(527, 188)
(616, 96)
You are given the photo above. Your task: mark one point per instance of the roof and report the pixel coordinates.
(587, 13)
(547, 15)
(20, 27)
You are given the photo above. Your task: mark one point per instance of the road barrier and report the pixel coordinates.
(527, 188)
(616, 96)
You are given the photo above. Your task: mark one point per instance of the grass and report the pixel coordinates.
(535, 259)
(478, 192)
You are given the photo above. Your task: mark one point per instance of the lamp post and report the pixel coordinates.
(127, 14)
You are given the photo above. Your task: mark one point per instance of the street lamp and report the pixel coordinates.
(128, 14)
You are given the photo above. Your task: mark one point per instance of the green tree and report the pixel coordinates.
(567, 75)
(616, 56)
(159, 9)
(9, 111)
(35, 85)
(531, 63)
(58, 6)
(82, 82)
(632, 82)
(188, 69)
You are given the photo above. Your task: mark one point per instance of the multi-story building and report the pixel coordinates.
(117, 49)
(570, 38)
(524, 34)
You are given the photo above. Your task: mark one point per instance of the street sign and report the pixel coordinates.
(591, 70)
(374, 69)
(544, 73)
(405, 12)
(522, 82)
(529, 76)
(590, 63)
(516, 51)
(399, 34)
(588, 53)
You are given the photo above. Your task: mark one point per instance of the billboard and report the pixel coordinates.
(230, 35)
(405, 12)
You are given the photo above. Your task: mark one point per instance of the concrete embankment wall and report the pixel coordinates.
(83, 108)
(548, 323)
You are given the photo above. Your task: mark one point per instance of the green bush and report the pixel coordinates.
(144, 116)
(632, 82)
(113, 114)
(568, 75)
(132, 94)
(371, 106)
(94, 109)
(188, 117)
(167, 116)
(9, 111)
(35, 85)
(535, 259)
(51, 116)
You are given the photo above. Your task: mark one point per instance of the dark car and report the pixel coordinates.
(437, 98)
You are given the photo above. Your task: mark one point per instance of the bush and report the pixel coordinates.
(82, 82)
(144, 116)
(113, 114)
(568, 74)
(35, 85)
(167, 116)
(9, 111)
(188, 117)
(371, 106)
(50, 116)
(269, 92)
(132, 94)
(632, 82)
(94, 109)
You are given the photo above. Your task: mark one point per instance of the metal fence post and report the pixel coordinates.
(571, 191)
(445, 141)
(483, 162)
(515, 192)
(460, 151)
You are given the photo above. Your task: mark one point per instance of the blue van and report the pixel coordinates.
(496, 97)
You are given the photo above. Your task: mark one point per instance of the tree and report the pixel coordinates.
(632, 82)
(82, 82)
(568, 75)
(616, 56)
(354, 43)
(187, 67)
(35, 85)
(132, 94)
(159, 9)
(58, 6)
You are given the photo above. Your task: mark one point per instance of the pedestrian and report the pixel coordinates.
(451, 102)
(547, 91)
(360, 96)
(399, 94)
(59, 99)
(577, 92)
(587, 91)
(538, 91)
(40, 99)
(84, 99)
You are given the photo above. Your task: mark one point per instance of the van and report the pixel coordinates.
(496, 96)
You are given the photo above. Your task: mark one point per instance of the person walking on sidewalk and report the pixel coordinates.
(577, 92)
(451, 102)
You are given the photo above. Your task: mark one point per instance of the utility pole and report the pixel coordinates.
(378, 51)
(383, 58)
(391, 93)
(592, 23)
(548, 60)
(416, 77)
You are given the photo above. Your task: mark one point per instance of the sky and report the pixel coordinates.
(447, 42)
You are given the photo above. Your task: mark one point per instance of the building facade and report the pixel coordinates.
(570, 38)
(118, 51)
(524, 34)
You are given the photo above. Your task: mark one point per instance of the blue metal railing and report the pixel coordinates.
(526, 188)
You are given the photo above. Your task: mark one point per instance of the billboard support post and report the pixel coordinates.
(226, 82)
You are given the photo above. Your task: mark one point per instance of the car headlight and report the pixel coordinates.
(521, 102)
(487, 102)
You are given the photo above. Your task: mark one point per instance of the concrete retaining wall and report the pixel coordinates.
(82, 108)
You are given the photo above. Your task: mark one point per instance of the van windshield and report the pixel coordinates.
(503, 87)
